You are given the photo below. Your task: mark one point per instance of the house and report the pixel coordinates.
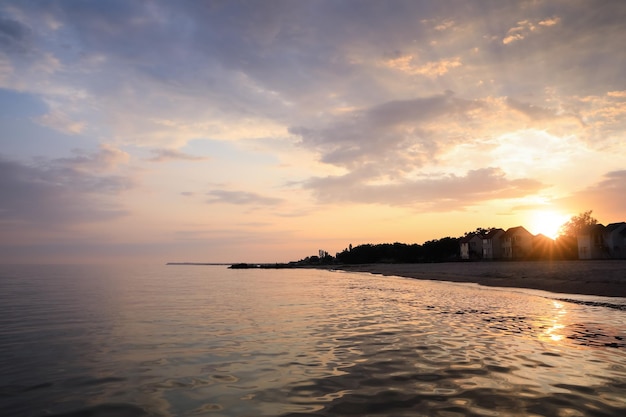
(492, 245)
(517, 243)
(471, 246)
(543, 247)
(591, 243)
(615, 240)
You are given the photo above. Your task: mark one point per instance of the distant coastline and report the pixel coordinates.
(199, 263)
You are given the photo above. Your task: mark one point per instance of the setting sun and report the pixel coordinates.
(547, 223)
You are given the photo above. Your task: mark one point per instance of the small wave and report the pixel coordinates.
(106, 410)
(11, 390)
(96, 381)
(594, 303)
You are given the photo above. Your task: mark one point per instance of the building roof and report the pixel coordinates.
(468, 238)
(593, 228)
(516, 230)
(541, 236)
(613, 226)
(492, 233)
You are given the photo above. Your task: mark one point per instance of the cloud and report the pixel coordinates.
(512, 38)
(608, 196)
(249, 70)
(240, 198)
(394, 142)
(530, 110)
(49, 193)
(550, 21)
(603, 116)
(14, 36)
(618, 94)
(162, 155)
(445, 192)
(397, 135)
(106, 56)
(446, 24)
(525, 28)
(161, 73)
(408, 65)
(106, 158)
(60, 121)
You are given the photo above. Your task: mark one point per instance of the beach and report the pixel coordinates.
(597, 277)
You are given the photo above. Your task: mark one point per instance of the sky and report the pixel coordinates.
(263, 131)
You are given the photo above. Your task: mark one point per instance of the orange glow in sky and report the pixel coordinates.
(547, 223)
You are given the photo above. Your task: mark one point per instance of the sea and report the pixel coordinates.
(210, 341)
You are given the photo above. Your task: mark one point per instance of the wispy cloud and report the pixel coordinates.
(61, 122)
(106, 158)
(61, 191)
(607, 196)
(14, 36)
(162, 155)
(550, 21)
(410, 65)
(395, 135)
(525, 28)
(618, 94)
(240, 198)
(443, 193)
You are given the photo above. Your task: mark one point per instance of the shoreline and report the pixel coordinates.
(605, 278)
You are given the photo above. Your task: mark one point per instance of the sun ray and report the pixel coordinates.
(547, 222)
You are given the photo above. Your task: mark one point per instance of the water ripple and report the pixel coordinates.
(211, 341)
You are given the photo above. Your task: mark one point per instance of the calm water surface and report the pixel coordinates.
(198, 340)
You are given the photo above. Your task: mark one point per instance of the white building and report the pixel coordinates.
(471, 246)
(602, 242)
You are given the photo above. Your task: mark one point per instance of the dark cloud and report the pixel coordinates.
(554, 120)
(402, 111)
(275, 41)
(580, 46)
(396, 135)
(14, 36)
(162, 155)
(54, 192)
(241, 198)
(281, 59)
(530, 110)
(448, 192)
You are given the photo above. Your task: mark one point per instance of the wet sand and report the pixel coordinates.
(604, 278)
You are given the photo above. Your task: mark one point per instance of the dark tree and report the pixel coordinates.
(441, 250)
(573, 226)
(566, 245)
(480, 231)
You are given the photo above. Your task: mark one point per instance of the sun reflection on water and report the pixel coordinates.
(554, 325)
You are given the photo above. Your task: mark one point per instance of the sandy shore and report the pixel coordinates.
(605, 278)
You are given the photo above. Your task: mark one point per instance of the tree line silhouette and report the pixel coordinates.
(438, 250)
